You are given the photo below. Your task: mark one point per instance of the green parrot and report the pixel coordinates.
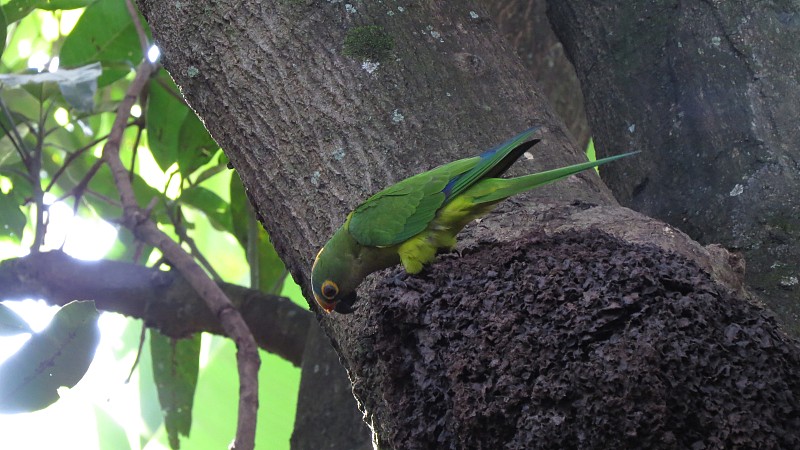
(410, 221)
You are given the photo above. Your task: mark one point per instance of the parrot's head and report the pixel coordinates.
(332, 283)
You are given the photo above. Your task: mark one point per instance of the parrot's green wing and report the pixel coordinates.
(402, 210)
(493, 162)
(405, 209)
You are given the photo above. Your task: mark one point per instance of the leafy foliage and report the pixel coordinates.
(107, 34)
(11, 323)
(58, 356)
(51, 141)
(176, 379)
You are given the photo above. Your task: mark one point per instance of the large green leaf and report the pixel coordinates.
(3, 30)
(165, 115)
(217, 397)
(77, 85)
(175, 368)
(270, 267)
(20, 44)
(9, 153)
(21, 188)
(196, 146)
(212, 205)
(11, 323)
(58, 356)
(110, 434)
(52, 5)
(17, 9)
(152, 417)
(104, 33)
(12, 219)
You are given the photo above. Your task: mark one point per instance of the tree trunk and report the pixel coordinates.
(549, 326)
(710, 92)
(525, 26)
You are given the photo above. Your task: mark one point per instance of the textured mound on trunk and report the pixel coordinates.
(574, 341)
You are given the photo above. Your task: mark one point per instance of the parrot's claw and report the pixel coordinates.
(399, 279)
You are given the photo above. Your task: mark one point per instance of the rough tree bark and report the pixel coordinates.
(525, 26)
(714, 105)
(540, 329)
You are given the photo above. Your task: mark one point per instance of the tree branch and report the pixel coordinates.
(138, 222)
(164, 300)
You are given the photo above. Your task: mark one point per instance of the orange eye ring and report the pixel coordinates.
(329, 290)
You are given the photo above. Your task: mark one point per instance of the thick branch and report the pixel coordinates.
(164, 300)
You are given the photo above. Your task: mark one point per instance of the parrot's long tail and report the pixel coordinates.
(502, 188)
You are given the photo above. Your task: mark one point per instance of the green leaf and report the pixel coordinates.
(12, 219)
(175, 368)
(15, 10)
(9, 154)
(165, 114)
(221, 166)
(270, 266)
(150, 411)
(21, 188)
(240, 209)
(52, 5)
(110, 434)
(77, 85)
(197, 147)
(3, 30)
(58, 356)
(212, 205)
(271, 270)
(11, 323)
(20, 45)
(104, 33)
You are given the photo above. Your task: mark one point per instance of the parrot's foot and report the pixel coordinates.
(399, 280)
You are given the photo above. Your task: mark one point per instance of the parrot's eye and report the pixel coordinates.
(329, 289)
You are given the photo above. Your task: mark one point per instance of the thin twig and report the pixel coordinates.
(13, 133)
(104, 198)
(180, 230)
(232, 322)
(73, 156)
(35, 169)
(139, 28)
(135, 151)
(80, 188)
(138, 353)
(170, 91)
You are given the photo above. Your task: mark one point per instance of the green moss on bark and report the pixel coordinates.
(370, 42)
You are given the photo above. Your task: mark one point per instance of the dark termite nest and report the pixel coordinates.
(574, 341)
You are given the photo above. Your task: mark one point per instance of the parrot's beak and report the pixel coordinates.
(345, 305)
(327, 307)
